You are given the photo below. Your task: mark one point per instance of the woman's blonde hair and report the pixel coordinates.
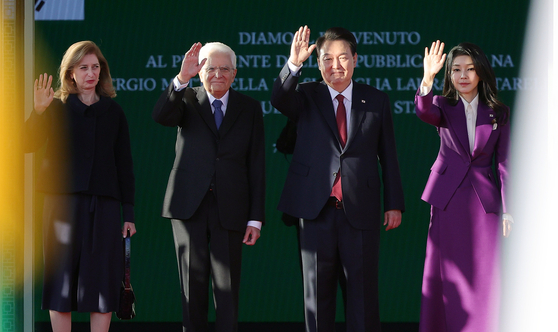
(72, 57)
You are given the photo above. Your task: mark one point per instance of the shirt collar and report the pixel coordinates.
(474, 103)
(224, 99)
(347, 93)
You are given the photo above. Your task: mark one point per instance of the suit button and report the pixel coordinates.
(334, 174)
(217, 159)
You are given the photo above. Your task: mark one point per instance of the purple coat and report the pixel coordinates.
(455, 162)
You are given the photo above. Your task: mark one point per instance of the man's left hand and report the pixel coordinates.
(392, 219)
(251, 236)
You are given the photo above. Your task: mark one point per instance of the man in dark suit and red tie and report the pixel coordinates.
(216, 190)
(345, 131)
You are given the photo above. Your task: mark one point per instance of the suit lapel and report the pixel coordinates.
(205, 109)
(484, 127)
(234, 109)
(322, 98)
(358, 110)
(458, 123)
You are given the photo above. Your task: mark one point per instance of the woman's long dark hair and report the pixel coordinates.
(488, 93)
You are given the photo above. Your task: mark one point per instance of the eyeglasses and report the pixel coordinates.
(213, 70)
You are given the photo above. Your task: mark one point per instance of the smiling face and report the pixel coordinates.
(217, 74)
(86, 73)
(464, 77)
(337, 64)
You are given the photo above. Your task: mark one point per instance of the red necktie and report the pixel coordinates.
(342, 127)
(341, 119)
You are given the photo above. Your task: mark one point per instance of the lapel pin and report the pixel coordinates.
(491, 115)
(363, 101)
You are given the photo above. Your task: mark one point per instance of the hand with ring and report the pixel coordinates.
(43, 93)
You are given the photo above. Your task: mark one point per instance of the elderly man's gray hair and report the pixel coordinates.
(217, 47)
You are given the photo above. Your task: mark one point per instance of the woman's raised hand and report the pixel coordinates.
(434, 60)
(42, 93)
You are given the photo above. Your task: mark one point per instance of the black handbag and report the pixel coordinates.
(127, 308)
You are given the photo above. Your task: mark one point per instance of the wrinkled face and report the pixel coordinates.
(337, 64)
(217, 74)
(86, 73)
(464, 77)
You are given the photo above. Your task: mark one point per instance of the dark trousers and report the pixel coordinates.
(204, 249)
(329, 243)
(289, 220)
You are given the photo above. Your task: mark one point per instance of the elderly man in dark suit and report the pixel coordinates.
(345, 131)
(216, 190)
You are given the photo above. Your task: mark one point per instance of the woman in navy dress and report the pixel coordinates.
(88, 184)
(466, 189)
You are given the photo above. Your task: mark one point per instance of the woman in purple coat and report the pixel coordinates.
(466, 188)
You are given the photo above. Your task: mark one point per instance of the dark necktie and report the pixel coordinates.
(341, 118)
(218, 112)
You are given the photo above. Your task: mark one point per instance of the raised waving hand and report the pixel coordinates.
(300, 51)
(42, 93)
(434, 60)
(190, 66)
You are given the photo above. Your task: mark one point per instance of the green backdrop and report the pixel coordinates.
(144, 41)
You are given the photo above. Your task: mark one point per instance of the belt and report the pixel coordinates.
(334, 202)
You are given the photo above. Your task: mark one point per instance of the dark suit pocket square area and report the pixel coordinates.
(299, 168)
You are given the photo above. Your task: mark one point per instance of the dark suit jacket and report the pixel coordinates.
(318, 154)
(455, 161)
(232, 160)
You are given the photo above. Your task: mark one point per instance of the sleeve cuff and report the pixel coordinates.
(256, 224)
(424, 90)
(128, 212)
(508, 217)
(177, 85)
(295, 70)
